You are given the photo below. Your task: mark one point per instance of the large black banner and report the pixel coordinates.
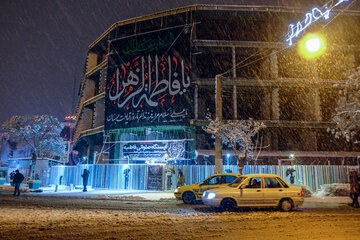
(148, 81)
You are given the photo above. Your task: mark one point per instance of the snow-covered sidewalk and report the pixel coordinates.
(145, 195)
(108, 194)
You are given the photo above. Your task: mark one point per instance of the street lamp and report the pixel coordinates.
(311, 46)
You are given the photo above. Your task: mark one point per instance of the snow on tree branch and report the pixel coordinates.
(238, 134)
(347, 111)
(40, 132)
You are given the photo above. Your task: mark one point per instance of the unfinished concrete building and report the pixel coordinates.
(264, 79)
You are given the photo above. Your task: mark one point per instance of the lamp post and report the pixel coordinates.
(311, 46)
(218, 140)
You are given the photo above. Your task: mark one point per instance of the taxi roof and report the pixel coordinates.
(260, 175)
(225, 174)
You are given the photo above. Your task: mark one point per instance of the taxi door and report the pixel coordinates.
(251, 193)
(273, 191)
(211, 182)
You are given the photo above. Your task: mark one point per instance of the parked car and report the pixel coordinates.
(192, 193)
(255, 190)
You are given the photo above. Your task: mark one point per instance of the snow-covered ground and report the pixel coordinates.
(151, 215)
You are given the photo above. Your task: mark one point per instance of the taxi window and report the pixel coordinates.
(237, 181)
(283, 183)
(229, 179)
(254, 183)
(214, 180)
(272, 183)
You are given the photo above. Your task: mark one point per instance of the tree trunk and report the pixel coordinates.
(240, 168)
(241, 162)
(32, 165)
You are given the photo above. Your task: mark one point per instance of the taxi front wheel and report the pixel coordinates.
(188, 197)
(227, 205)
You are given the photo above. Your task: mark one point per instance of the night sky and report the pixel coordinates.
(43, 45)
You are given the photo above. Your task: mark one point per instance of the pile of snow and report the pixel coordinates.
(158, 196)
(305, 189)
(121, 197)
(11, 189)
(167, 199)
(333, 190)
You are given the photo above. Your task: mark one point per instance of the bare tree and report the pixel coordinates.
(347, 111)
(41, 133)
(238, 134)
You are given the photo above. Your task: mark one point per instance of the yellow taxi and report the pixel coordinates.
(255, 190)
(192, 193)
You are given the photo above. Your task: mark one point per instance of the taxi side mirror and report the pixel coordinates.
(242, 187)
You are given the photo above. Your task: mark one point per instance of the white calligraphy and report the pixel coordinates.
(138, 116)
(124, 91)
(310, 17)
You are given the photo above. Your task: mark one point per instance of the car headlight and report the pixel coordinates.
(176, 190)
(211, 195)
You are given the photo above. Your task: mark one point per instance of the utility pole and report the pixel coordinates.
(218, 140)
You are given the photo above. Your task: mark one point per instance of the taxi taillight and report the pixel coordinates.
(302, 193)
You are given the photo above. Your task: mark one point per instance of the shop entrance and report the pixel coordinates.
(155, 177)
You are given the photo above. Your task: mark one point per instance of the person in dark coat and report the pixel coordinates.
(85, 177)
(354, 188)
(12, 178)
(18, 178)
(181, 179)
(127, 174)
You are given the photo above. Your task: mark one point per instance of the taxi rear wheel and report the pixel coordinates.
(286, 205)
(227, 205)
(188, 197)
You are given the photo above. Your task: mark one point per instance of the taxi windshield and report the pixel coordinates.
(237, 181)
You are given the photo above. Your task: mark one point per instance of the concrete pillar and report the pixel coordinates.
(350, 61)
(235, 102)
(265, 105)
(313, 102)
(275, 106)
(196, 104)
(102, 80)
(89, 89)
(274, 65)
(218, 140)
(86, 119)
(234, 87)
(99, 114)
(90, 151)
(91, 61)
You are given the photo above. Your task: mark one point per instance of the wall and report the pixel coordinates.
(111, 176)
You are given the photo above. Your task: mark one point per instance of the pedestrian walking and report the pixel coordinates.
(85, 177)
(354, 188)
(127, 175)
(12, 178)
(181, 178)
(18, 178)
(169, 172)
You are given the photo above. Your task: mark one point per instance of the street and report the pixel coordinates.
(32, 216)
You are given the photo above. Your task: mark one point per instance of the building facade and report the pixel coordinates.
(149, 83)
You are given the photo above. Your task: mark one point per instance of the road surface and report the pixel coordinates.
(62, 217)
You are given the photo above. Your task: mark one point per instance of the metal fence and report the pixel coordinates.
(112, 176)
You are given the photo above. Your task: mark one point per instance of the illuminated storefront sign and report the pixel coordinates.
(311, 17)
(154, 150)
